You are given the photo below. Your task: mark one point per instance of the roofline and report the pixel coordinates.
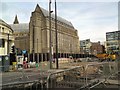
(54, 18)
(7, 25)
(112, 31)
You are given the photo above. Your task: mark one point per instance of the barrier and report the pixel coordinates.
(78, 77)
(81, 77)
(67, 78)
(26, 81)
(102, 72)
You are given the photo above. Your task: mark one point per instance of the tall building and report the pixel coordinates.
(21, 34)
(85, 46)
(88, 47)
(68, 40)
(6, 38)
(113, 41)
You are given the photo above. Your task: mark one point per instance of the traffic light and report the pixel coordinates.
(13, 49)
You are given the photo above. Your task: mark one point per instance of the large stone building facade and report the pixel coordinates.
(21, 34)
(6, 38)
(68, 40)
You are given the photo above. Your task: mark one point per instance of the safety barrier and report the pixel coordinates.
(26, 81)
(80, 77)
(102, 74)
(32, 85)
(77, 77)
(66, 78)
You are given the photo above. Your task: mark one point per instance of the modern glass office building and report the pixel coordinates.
(113, 41)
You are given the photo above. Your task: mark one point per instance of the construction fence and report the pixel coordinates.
(77, 78)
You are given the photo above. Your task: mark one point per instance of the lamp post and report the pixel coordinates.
(8, 44)
(50, 41)
(37, 53)
(33, 46)
(56, 35)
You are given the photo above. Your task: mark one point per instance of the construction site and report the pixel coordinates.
(71, 75)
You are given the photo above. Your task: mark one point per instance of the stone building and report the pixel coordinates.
(6, 38)
(21, 34)
(68, 40)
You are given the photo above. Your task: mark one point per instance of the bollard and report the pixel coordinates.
(37, 65)
(14, 65)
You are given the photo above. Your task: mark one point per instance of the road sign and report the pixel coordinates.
(24, 51)
(6, 58)
(20, 59)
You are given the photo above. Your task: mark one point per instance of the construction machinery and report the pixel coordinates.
(105, 56)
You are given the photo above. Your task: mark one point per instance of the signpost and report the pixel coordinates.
(20, 60)
(24, 51)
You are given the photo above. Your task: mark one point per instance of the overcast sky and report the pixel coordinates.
(92, 19)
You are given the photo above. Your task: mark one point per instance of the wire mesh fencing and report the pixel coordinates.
(34, 80)
(81, 77)
(66, 79)
(78, 77)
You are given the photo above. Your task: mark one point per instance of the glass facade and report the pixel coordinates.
(113, 36)
(112, 41)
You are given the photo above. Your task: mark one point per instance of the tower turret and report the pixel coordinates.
(16, 20)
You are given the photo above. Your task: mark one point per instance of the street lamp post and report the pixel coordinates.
(56, 35)
(37, 52)
(33, 46)
(8, 45)
(50, 41)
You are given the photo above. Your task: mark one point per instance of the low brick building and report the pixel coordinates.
(97, 48)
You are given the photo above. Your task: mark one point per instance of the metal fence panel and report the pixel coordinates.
(82, 76)
(78, 77)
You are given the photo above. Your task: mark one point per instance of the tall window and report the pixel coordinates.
(0, 29)
(3, 29)
(2, 43)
